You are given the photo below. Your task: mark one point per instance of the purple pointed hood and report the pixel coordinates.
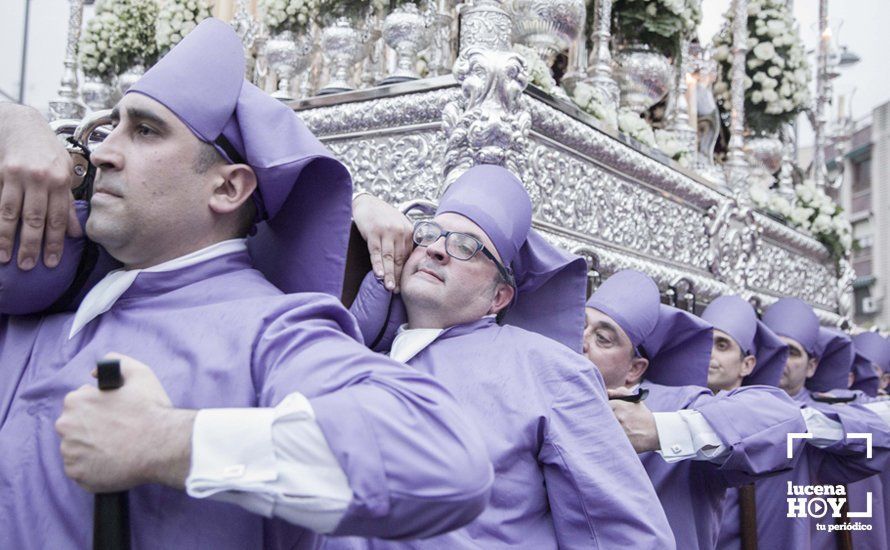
(736, 317)
(865, 378)
(550, 283)
(303, 192)
(836, 354)
(677, 343)
(873, 347)
(793, 318)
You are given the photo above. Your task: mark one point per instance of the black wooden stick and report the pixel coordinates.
(111, 519)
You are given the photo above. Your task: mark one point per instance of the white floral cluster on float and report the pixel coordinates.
(593, 100)
(658, 23)
(777, 75)
(812, 211)
(633, 125)
(539, 73)
(675, 148)
(176, 19)
(97, 58)
(289, 15)
(119, 36)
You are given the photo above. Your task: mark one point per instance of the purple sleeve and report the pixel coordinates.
(754, 422)
(416, 466)
(599, 493)
(846, 460)
(379, 313)
(27, 292)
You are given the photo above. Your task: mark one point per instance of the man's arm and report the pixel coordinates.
(35, 188)
(847, 459)
(414, 466)
(599, 493)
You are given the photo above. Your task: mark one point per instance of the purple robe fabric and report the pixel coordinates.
(565, 473)
(218, 334)
(843, 462)
(692, 491)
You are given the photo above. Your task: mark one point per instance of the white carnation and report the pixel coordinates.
(764, 51)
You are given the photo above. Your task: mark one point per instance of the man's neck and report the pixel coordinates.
(176, 254)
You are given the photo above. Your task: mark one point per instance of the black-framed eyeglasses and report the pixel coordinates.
(460, 246)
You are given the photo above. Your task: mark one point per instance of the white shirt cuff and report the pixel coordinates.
(273, 462)
(826, 432)
(686, 435)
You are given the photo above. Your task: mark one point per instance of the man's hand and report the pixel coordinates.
(116, 439)
(389, 236)
(637, 421)
(35, 188)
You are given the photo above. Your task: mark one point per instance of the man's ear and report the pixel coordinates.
(748, 364)
(811, 367)
(638, 366)
(502, 297)
(232, 187)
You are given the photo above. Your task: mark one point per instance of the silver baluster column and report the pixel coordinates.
(600, 62)
(678, 114)
(823, 96)
(67, 103)
(736, 166)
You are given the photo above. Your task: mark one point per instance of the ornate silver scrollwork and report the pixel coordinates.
(489, 124)
(484, 24)
(735, 240)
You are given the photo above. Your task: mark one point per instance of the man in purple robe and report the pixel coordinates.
(832, 455)
(693, 445)
(871, 360)
(481, 297)
(348, 442)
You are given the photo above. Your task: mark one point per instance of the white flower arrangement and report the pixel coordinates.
(120, 35)
(776, 73)
(593, 100)
(96, 58)
(176, 19)
(289, 15)
(674, 148)
(633, 125)
(538, 72)
(812, 212)
(658, 23)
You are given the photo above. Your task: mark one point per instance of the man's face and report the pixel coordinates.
(729, 365)
(885, 381)
(440, 291)
(149, 199)
(798, 368)
(610, 349)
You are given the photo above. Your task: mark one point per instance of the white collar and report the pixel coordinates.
(106, 293)
(411, 341)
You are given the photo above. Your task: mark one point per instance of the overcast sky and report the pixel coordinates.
(858, 24)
